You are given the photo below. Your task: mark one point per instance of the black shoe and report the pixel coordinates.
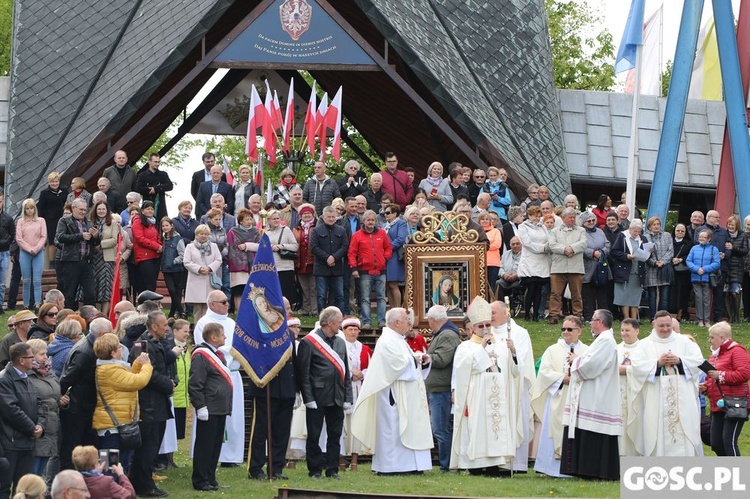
(229, 465)
(315, 476)
(160, 467)
(205, 488)
(280, 476)
(334, 476)
(261, 475)
(155, 492)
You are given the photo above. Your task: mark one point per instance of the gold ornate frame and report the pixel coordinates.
(426, 263)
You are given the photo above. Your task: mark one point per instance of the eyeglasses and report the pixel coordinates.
(51, 314)
(478, 176)
(223, 302)
(27, 357)
(568, 329)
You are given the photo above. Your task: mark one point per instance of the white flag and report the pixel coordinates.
(651, 67)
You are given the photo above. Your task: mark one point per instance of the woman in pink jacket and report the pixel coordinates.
(31, 236)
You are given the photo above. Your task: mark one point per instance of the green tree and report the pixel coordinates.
(6, 35)
(666, 77)
(581, 51)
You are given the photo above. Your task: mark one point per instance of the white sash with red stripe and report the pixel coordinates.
(215, 361)
(328, 352)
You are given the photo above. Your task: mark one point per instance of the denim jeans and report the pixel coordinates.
(336, 285)
(31, 271)
(366, 283)
(440, 418)
(4, 265)
(663, 299)
(40, 466)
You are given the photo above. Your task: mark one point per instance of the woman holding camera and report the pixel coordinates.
(117, 383)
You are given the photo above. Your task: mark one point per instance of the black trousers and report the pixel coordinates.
(175, 282)
(147, 271)
(152, 433)
(333, 416)
(15, 280)
(594, 298)
(75, 430)
(281, 425)
(75, 274)
(208, 437)
(21, 463)
(724, 434)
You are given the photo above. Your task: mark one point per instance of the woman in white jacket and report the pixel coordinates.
(283, 241)
(202, 258)
(533, 269)
(438, 189)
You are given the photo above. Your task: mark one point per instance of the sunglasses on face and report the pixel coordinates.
(223, 302)
(51, 314)
(568, 329)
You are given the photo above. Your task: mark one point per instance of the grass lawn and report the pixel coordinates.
(431, 483)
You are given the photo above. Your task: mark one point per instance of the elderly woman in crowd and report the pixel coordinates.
(593, 292)
(45, 324)
(659, 270)
(493, 252)
(702, 260)
(303, 266)
(627, 272)
(354, 181)
(147, 248)
(737, 247)
(118, 384)
(243, 243)
(412, 216)
(730, 378)
(438, 189)
(86, 461)
(282, 196)
(67, 333)
(31, 236)
(78, 191)
(398, 235)
(571, 201)
(534, 268)
(284, 247)
(202, 258)
(244, 187)
(679, 293)
(50, 206)
(47, 388)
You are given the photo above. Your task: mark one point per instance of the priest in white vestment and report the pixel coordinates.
(512, 345)
(550, 392)
(233, 446)
(391, 418)
(482, 430)
(592, 419)
(629, 331)
(665, 378)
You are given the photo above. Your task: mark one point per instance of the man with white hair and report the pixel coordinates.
(132, 199)
(354, 181)
(374, 194)
(483, 430)
(69, 484)
(445, 340)
(290, 213)
(391, 418)
(567, 244)
(75, 237)
(78, 376)
(512, 345)
(623, 212)
(320, 189)
(227, 221)
(55, 296)
(483, 204)
(233, 447)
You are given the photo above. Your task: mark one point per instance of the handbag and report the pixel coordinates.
(213, 279)
(665, 273)
(714, 279)
(285, 254)
(734, 407)
(130, 433)
(601, 274)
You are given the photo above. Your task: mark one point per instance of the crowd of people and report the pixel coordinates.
(73, 382)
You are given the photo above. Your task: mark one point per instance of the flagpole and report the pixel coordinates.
(661, 50)
(633, 154)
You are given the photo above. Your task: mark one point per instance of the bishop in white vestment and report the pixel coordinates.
(391, 418)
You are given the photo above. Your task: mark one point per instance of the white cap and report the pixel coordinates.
(479, 311)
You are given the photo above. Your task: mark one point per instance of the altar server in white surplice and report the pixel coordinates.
(550, 392)
(665, 375)
(482, 430)
(512, 345)
(629, 330)
(391, 417)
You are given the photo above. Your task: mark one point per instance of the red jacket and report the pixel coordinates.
(398, 185)
(368, 251)
(305, 258)
(101, 486)
(146, 241)
(733, 364)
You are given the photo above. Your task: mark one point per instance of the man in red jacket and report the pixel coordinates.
(396, 182)
(369, 249)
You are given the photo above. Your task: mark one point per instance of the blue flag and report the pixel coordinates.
(262, 342)
(631, 38)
